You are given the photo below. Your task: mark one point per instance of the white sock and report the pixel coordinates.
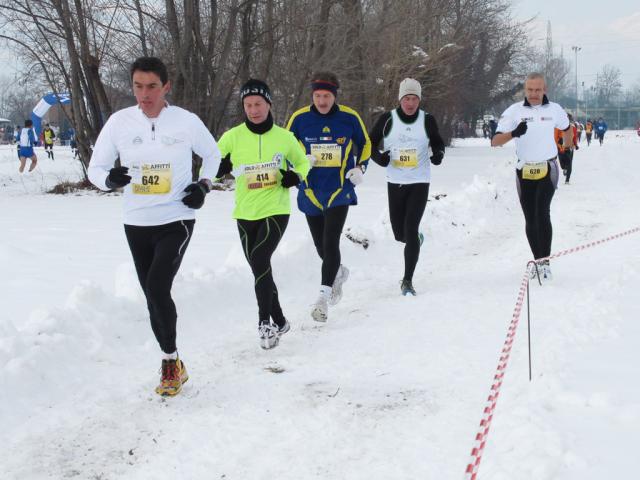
(325, 291)
(170, 356)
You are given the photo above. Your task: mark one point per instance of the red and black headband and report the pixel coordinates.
(324, 85)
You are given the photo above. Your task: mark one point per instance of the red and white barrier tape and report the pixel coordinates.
(471, 472)
(593, 244)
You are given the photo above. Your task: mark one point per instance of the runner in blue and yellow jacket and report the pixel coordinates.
(338, 146)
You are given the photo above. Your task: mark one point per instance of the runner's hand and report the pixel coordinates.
(289, 178)
(225, 167)
(118, 177)
(195, 195)
(437, 157)
(381, 158)
(312, 159)
(355, 175)
(520, 130)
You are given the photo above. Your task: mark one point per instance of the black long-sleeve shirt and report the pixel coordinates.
(383, 125)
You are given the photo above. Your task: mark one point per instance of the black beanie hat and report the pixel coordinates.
(255, 87)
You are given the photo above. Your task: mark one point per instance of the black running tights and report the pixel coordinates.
(406, 208)
(157, 253)
(535, 200)
(259, 240)
(326, 230)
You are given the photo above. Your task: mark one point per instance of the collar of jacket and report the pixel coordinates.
(333, 110)
(545, 101)
(260, 128)
(407, 118)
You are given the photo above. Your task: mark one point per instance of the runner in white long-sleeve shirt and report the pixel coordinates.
(154, 142)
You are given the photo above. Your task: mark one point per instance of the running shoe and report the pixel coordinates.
(406, 288)
(269, 335)
(320, 309)
(336, 290)
(173, 374)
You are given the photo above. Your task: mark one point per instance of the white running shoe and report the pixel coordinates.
(545, 273)
(269, 336)
(543, 269)
(285, 328)
(336, 291)
(320, 309)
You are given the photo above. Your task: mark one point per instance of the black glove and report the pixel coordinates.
(118, 177)
(437, 157)
(289, 178)
(381, 158)
(225, 167)
(195, 195)
(520, 130)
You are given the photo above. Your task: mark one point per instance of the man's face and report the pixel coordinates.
(149, 92)
(534, 90)
(256, 108)
(323, 100)
(409, 104)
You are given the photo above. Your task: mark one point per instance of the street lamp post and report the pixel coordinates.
(586, 104)
(576, 49)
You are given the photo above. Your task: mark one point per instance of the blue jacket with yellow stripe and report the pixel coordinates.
(339, 141)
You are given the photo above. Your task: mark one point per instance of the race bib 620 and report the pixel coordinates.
(535, 171)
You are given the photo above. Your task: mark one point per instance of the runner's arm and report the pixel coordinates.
(103, 157)
(435, 140)
(377, 135)
(298, 158)
(206, 147)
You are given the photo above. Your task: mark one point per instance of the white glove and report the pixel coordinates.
(312, 159)
(355, 175)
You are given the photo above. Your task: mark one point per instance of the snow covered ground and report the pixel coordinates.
(389, 388)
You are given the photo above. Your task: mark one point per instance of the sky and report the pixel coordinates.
(608, 32)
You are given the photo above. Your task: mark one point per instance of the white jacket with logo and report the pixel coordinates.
(158, 152)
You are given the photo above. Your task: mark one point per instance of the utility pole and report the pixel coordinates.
(576, 49)
(586, 104)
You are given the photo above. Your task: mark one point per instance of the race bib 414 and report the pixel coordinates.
(262, 175)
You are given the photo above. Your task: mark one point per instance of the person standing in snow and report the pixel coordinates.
(579, 129)
(26, 139)
(601, 128)
(565, 154)
(266, 160)
(47, 136)
(588, 131)
(336, 140)
(155, 142)
(531, 125)
(407, 133)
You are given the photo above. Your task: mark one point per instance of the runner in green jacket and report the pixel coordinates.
(266, 161)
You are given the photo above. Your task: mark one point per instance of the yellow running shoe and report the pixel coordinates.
(173, 375)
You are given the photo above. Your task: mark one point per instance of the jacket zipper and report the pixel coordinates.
(153, 131)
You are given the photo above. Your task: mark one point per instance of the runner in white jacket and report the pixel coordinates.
(155, 142)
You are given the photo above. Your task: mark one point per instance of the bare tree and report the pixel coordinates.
(608, 84)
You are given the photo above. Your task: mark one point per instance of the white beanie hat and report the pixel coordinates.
(409, 86)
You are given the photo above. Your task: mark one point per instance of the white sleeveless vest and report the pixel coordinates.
(408, 145)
